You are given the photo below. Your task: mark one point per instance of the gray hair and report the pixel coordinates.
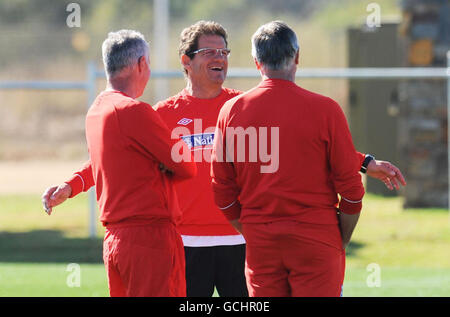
(274, 45)
(121, 49)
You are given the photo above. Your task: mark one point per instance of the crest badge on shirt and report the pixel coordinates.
(185, 121)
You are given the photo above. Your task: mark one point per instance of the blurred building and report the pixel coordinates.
(405, 121)
(373, 104)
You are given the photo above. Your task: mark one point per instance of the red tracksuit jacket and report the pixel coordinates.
(316, 157)
(198, 117)
(127, 141)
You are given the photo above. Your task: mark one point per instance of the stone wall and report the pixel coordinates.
(422, 130)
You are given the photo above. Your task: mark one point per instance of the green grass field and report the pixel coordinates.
(411, 249)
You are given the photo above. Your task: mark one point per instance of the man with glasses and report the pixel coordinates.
(214, 250)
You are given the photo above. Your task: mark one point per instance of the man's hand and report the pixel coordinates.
(54, 196)
(388, 173)
(164, 169)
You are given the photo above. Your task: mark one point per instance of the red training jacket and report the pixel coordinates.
(127, 141)
(197, 119)
(313, 159)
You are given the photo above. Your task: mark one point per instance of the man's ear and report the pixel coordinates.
(258, 66)
(142, 63)
(297, 57)
(185, 61)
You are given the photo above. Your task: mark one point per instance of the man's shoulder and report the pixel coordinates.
(231, 96)
(313, 95)
(117, 102)
(241, 95)
(168, 103)
(126, 107)
(133, 105)
(231, 93)
(234, 102)
(318, 100)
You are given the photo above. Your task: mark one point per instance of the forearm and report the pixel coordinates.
(236, 225)
(347, 223)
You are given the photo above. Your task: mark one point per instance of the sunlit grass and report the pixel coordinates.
(411, 248)
(392, 236)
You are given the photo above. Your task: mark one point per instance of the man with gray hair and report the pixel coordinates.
(131, 165)
(295, 226)
(275, 53)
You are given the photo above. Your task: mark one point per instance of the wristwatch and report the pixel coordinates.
(366, 162)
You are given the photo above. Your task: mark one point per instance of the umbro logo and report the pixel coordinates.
(184, 121)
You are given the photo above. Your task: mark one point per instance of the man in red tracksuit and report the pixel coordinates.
(132, 168)
(214, 250)
(281, 156)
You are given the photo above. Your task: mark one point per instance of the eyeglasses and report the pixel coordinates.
(210, 52)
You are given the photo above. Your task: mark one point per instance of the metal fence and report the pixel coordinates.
(90, 86)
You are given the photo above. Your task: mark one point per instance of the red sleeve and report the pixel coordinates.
(345, 164)
(224, 186)
(81, 180)
(361, 157)
(148, 133)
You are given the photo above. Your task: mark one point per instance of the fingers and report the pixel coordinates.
(57, 195)
(398, 175)
(54, 196)
(46, 199)
(165, 170)
(395, 183)
(48, 192)
(47, 209)
(392, 183)
(393, 177)
(388, 183)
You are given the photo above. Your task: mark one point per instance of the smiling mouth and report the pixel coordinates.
(216, 68)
